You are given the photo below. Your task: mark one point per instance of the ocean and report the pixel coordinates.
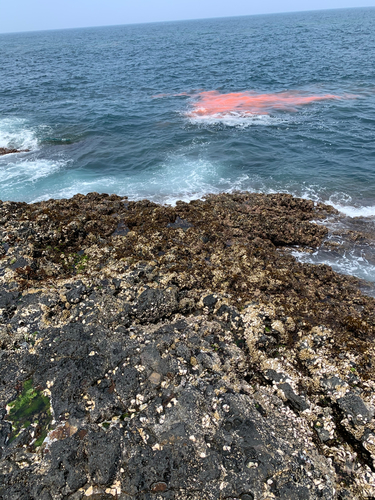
(169, 111)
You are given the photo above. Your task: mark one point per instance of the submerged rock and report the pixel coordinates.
(180, 353)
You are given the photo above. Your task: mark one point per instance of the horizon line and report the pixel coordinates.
(183, 20)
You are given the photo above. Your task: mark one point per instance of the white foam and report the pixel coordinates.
(351, 262)
(342, 202)
(176, 179)
(15, 133)
(179, 178)
(233, 119)
(352, 211)
(17, 175)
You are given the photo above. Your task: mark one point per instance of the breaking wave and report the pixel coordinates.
(15, 133)
(22, 176)
(234, 119)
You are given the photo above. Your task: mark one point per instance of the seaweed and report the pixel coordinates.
(31, 407)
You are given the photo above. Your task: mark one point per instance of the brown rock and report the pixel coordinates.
(7, 151)
(158, 487)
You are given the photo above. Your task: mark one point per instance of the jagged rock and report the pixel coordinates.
(151, 352)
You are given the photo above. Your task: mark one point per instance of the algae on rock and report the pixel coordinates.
(31, 407)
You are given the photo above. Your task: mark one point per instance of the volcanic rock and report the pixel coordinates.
(158, 352)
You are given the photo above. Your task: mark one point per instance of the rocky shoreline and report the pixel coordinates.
(157, 352)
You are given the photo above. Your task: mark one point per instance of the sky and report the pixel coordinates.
(34, 15)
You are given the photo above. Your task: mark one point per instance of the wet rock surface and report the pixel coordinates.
(155, 352)
(7, 151)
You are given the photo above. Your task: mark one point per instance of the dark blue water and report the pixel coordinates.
(83, 102)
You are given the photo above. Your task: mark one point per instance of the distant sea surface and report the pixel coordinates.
(169, 111)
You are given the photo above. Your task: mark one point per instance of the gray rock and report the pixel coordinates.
(323, 434)
(297, 402)
(104, 452)
(331, 383)
(210, 301)
(154, 304)
(274, 376)
(354, 408)
(74, 294)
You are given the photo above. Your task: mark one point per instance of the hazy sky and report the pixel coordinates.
(29, 15)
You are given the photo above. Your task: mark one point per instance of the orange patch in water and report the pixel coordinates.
(213, 103)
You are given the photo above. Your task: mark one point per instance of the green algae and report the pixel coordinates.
(30, 407)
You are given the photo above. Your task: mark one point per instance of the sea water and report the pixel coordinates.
(169, 111)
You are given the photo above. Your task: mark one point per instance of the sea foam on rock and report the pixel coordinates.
(184, 353)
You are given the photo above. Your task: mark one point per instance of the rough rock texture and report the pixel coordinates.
(153, 352)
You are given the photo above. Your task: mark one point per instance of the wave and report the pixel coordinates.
(352, 262)
(15, 133)
(18, 176)
(352, 211)
(342, 202)
(234, 119)
(176, 179)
